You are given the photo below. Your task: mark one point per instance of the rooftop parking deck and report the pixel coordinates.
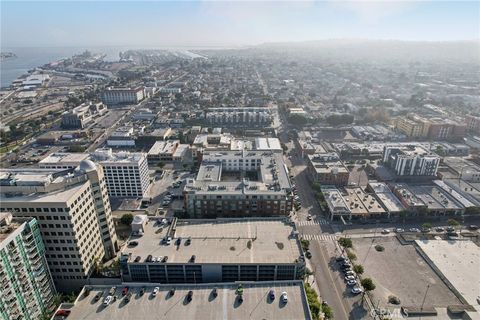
(203, 305)
(220, 241)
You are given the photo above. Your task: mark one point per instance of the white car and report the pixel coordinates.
(155, 291)
(386, 231)
(284, 297)
(107, 301)
(351, 282)
(348, 278)
(154, 259)
(350, 273)
(169, 239)
(357, 290)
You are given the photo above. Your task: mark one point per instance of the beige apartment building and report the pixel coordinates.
(74, 216)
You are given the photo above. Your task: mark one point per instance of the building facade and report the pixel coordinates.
(126, 173)
(74, 215)
(326, 171)
(411, 161)
(240, 183)
(114, 96)
(27, 288)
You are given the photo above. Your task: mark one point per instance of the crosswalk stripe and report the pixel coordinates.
(320, 237)
(312, 222)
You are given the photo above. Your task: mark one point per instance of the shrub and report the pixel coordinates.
(379, 248)
(393, 300)
(345, 242)
(305, 244)
(358, 268)
(368, 284)
(126, 219)
(352, 256)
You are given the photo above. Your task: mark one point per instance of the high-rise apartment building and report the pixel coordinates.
(240, 184)
(74, 214)
(26, 286)
(411, 160)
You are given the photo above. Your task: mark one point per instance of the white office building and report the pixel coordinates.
(126, 173)
(411, 160)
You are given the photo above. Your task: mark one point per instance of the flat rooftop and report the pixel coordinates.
(458, 261)
(59, 157)
(165, 147)
(203, 305)
(220, 241)
(360, 202)
(386, 197)
(435, 198)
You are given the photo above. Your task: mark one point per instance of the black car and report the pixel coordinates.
(133, 243)
(142, 291)
(149, 258)
(189, 295)
(171, 292)
(473, 227)
(179, 240)
(215, 292)
(128, 296)
(192, 259)
(137, 259)
(187, 243)
(340, 259)
(450, 229)
(165, 259)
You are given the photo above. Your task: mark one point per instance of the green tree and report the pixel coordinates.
(126, 219)
(297, 120)
(161, 165)
(327, 311)
(345, 242)
(427, 225)
(352, 256)
(358, 268)
(368, 284)
(453, 223)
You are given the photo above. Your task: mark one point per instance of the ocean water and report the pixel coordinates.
(29, 58)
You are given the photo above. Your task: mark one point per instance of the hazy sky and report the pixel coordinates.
(164, 23)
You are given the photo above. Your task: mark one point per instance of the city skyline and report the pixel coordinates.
(227, 23)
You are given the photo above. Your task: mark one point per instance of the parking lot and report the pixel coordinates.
(400, 271)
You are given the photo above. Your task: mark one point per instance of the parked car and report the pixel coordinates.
(155, 291)
(439, 229)
(142, 291)
(340, 259)
(171, 292)
(351, 282)
(133, 243)
(309, 217)
(124, 291)
(284, 297)
(192, 258)
(414, 230)
(98, 296)
(168, 240)
(165, 259)
(128, 297)
(215, 292)
(386, 231)
(189, 240)
(63, 313)
(179, 241)
(399, 230)
(450, 229)
(271, 295)
(357, 290)
(348, 278)
(189, 295)
(350, 273)
(112, 291)
(137, 259)
(107, 301)
(473, 227)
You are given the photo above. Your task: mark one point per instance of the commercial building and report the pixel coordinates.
(126, 173)
(362, 205)
(473, 123)
(62, 160)
(209, 251)
(204, 304)
(80, 116)
(256, 117)
(411, 128)
(114, 96)
(122, 137)
(337, 206)
(436, 128)
(27, 289)
(268, 144)
(238, 184)
(323, 169)
(73, 211)
(411, 160)
(428, 199)
(386, 198)
(162, 151)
